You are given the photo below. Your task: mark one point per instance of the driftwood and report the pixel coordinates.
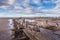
(50, 27)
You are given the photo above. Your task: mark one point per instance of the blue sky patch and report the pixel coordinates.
(45, 4)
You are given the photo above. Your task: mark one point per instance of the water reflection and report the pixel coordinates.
(11, 23)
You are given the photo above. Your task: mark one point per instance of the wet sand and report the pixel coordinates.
(4, 30)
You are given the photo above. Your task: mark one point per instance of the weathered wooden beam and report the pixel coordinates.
(37, 35)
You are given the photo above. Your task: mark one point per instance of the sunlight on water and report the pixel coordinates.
(11, 23)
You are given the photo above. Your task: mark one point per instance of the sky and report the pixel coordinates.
(29, 8)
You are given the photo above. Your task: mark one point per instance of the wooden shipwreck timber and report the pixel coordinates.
(34, 29)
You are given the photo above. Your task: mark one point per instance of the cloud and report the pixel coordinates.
(11, 14)
(4, 7)
(11, 2)
(36, 1)
(28, 9)
(24, 8)
(56, 9)
(2, 15)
